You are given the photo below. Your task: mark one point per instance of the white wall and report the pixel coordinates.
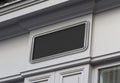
(12, 55)
(106, 32)
(15, 52)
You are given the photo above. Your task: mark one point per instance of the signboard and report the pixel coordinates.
(59, 43)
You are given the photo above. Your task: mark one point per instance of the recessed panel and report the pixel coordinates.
(72, 79)
(60, 41)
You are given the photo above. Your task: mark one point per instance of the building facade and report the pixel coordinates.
(59, 41)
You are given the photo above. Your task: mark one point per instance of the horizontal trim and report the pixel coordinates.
(55, 67)
(58, 13)
(52, 15)
(104, 5)
(113, 57)
(12, 79)
(96, 61)
(106, 58)
(33, 72)
(7, 8)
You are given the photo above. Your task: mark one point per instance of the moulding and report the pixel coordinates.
(92, 61)
(106, 58)
(12, 79)
(17, 4)
(58, 13)
(104, 5)
(38, 71)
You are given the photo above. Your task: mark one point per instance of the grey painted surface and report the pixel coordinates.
(17, 26)
(38, 19)
(103, 5)
(15, 54)
(13, 5)
(52, 15)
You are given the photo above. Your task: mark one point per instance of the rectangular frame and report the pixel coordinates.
(82, 70)
(63, 53)
(96, 74)
(49, 77)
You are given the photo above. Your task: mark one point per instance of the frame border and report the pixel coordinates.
(86, 42)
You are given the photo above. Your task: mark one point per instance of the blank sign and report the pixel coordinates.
(60, 41)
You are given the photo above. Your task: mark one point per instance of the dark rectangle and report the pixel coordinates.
(58, 42)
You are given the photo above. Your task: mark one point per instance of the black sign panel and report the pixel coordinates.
(57, 42)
